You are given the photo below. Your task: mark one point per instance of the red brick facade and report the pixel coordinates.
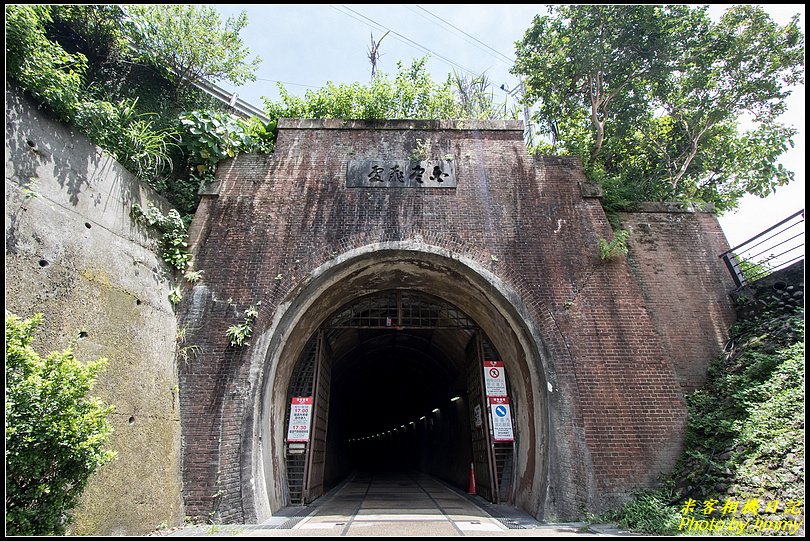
(612, 351)
(674, 256)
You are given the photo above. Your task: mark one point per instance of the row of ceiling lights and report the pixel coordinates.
(403, 427)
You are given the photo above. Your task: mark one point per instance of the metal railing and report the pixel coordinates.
(238, 105)
(775, 248)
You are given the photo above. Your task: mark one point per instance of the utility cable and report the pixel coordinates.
(286, 83)
(502, 57)
(403, 39)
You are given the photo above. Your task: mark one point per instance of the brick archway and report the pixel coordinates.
(500, 313)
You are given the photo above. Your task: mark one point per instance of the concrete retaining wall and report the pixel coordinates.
(74, 254)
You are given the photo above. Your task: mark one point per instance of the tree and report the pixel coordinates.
(95, 30)
(477, 98)
(190, 42)
(55, 433)
(651, 97)
(40, 66)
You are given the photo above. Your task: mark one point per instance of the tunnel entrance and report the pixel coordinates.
(399, 380)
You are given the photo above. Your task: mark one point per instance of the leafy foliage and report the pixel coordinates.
(745, 433)
(411, 94)
(653, 103)
(175, 295)
(42, 67)
(174, 229)
(129, 136)
(211, 136)
(753, 270)
(614, 248)
(760, 387)
(192, 276)
(477, 98)
(239, 333)
(650, 513)
(122, 105)
(96, 31)
(191, 42)
(55, 433)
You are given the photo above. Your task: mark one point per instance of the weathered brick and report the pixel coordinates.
(624, 337)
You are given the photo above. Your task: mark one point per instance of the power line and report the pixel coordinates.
(529, 135)
(409, 41)
(503, 57)
(286, 83)
(402, 38)
(445, 29)
(380, 27)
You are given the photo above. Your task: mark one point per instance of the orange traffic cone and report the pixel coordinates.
(472, 479)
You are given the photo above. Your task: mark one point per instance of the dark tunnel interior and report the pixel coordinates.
(398, 403)
(394, 369)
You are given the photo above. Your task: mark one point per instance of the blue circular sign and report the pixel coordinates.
(500, 411)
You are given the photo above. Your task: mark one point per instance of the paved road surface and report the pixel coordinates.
(398, 504)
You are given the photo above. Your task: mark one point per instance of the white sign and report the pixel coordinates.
(495, 378)
(300, 418)
(501, 419)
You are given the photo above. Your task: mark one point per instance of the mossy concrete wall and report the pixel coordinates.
(74, 253)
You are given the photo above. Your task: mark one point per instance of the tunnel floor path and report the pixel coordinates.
(399, 504)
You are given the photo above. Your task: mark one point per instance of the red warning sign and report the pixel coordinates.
(494, 378)
(300, 418)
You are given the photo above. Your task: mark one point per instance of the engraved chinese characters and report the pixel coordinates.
(401, 174)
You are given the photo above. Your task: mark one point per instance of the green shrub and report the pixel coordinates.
(239, 333)
(745, 433)
(212, 136)
(618, 246)
(129, 136)
(648, 512)
(173, 242)
(55, 433)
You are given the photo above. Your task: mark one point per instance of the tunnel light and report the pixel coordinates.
(455, 398)
(422, 418)
(436, 410)
(403, 426)
(413, 423)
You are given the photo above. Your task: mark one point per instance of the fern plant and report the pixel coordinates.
(239, 333)
(614, 248)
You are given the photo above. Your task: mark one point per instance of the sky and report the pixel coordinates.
(305, 46)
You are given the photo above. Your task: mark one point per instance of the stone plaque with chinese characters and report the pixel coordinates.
(401, 174)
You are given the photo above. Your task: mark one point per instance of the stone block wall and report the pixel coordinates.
(781, 291)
